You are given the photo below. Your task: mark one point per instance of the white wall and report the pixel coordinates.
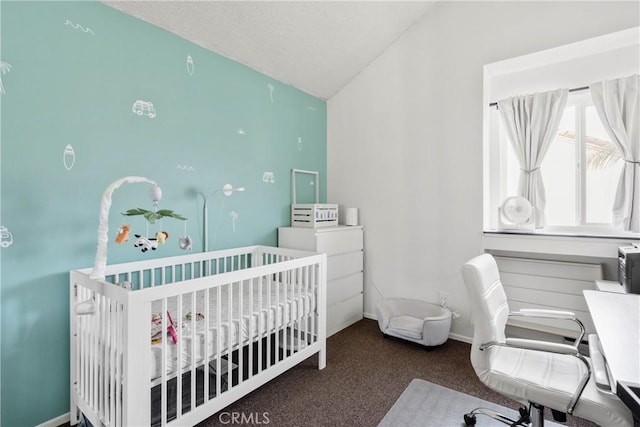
(405, 137)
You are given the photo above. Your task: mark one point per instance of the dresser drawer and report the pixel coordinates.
(337, 242)
(344, 264)
(341, 289)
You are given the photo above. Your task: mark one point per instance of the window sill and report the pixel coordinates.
(555, 244)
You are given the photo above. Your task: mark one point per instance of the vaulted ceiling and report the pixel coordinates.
(315, 46)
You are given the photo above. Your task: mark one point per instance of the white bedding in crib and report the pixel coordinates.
(263, 311)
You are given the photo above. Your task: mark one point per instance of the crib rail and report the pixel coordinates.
(228, 321)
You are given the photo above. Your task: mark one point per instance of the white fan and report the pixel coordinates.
(516, 213)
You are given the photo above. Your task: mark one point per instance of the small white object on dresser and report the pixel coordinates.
(343, 246)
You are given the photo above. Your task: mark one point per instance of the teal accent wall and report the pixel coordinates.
(72, 73)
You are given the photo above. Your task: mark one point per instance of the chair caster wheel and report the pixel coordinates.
(469, 420)
(524, 416)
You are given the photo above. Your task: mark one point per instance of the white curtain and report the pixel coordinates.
(618, 105)
(531, 122)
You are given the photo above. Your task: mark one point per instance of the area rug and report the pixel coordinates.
(427, 404)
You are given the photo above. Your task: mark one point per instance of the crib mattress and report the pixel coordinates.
(258, 312)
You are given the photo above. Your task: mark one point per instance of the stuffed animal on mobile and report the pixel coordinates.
(145, 243)
(123, 234)
(162, 236)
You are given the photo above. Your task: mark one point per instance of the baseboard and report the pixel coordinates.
(460, 338)
(341, 326)
(452, 335)
(55, 422)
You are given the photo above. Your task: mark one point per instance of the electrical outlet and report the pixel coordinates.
(443, 299)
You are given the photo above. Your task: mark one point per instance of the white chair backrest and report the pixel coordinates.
(488, 305)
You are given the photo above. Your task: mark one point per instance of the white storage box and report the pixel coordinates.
(311, 215)
(314, 215)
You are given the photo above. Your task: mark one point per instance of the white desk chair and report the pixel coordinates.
(534, 373)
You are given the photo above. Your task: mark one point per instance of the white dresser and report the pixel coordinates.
(343, 246)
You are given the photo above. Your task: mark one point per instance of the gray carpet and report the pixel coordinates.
(425, 404)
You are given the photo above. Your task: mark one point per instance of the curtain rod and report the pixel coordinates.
(575, 89)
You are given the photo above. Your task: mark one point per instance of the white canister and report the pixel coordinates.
(351, 216)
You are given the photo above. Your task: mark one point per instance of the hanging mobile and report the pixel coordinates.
(146, 243)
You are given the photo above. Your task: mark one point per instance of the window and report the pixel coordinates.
(580, 170)
(582, 167)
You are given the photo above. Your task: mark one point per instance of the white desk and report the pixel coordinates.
(616, 318)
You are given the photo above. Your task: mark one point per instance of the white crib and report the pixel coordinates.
(241, 317)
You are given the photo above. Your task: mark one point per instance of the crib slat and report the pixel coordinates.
(218, 337)
(260, 323)
(136, 396)
(306, 307)
(313, 308)
(109, 362)
(241, 338)
(103, 350)
(89, 337)
(279, 320)
(252, 326)
(119, 361)
(94, 356)
(207, 352)
(232, 330)
(292, 320)
(163, 364)
(112, 360)
(269, 319)
(179, 347)
(194, 337)
(82, 348)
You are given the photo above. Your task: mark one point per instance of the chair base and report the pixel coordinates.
(532, 417)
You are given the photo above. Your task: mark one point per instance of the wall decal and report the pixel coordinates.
(241, 131)
(6, 239)
(268, 178)
(145, 108)
(79, 27)
(186, 168)
(5, 67)
(271, 89)
(69, 157)
(299, 143)
(234, 216)
(190, 65)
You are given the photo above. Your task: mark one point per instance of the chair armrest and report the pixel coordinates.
(551, 347)
(552, 314)
(599, 365)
